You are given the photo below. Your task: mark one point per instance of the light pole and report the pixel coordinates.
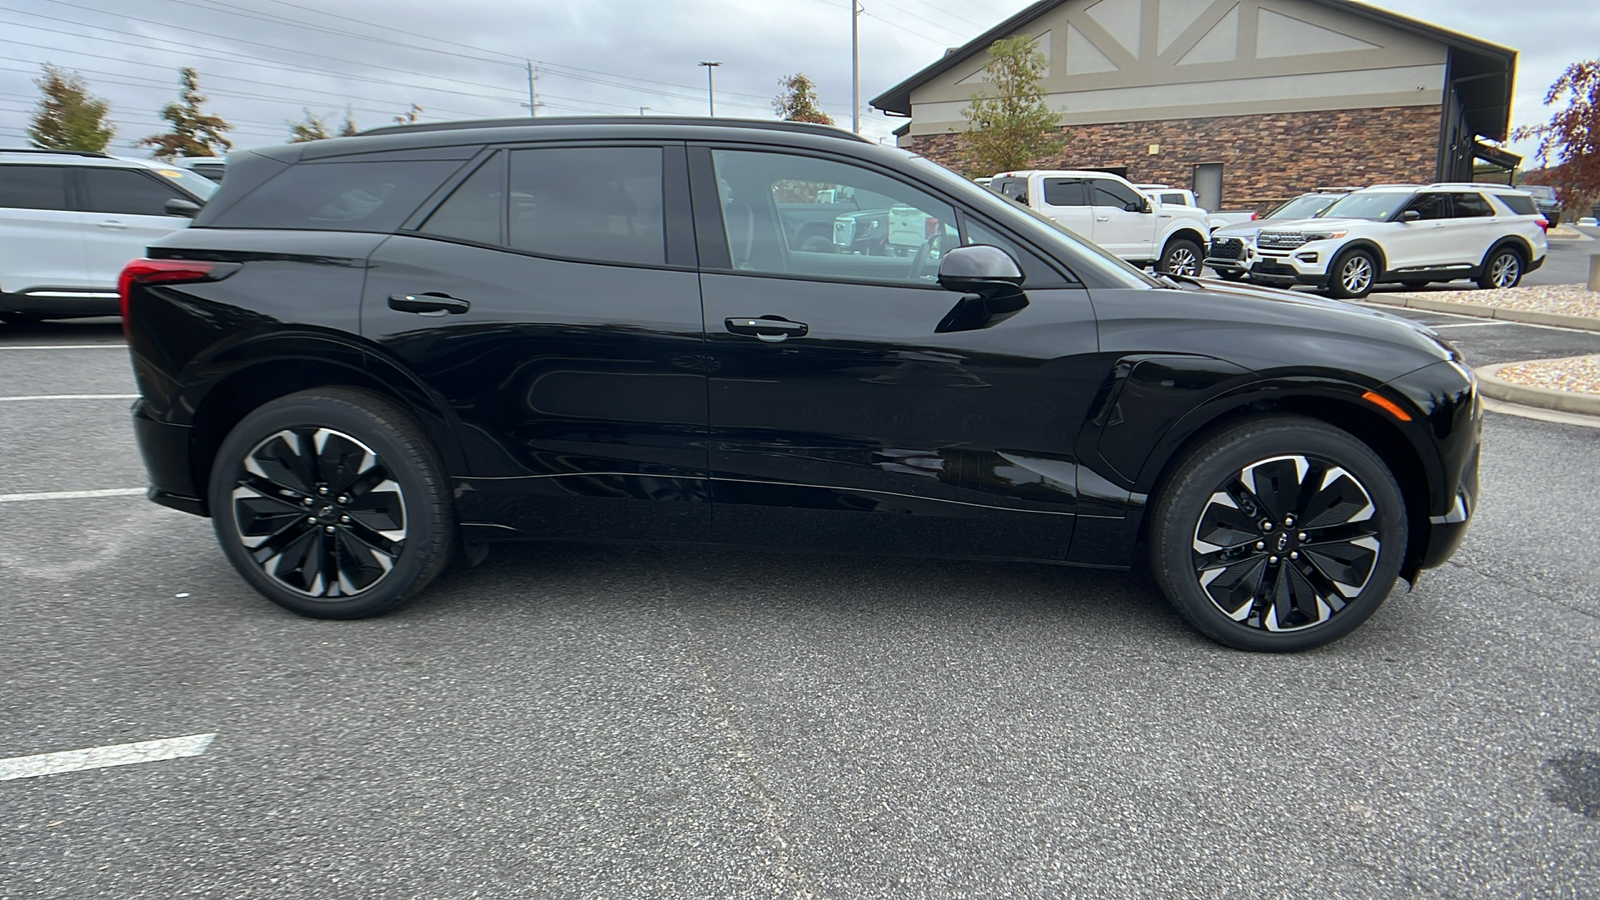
(855, 67)
(711, 85)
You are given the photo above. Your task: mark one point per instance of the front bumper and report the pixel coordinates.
(1306, 264)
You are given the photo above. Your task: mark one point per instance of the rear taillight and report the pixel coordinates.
(167, 271)
(1543, 223)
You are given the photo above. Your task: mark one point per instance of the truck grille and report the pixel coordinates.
(1280, 240)
(844, 231)
(1226, 248)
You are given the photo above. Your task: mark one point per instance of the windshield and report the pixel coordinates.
(1306, 206)
(1379, 206)
(193, 182)
(1042, 228)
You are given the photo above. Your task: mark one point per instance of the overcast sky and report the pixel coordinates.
(263, 62)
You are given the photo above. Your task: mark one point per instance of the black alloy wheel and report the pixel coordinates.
(1181, 257)
(331, 503)
(1279, 534)
(1351, 276)
(1503, 270)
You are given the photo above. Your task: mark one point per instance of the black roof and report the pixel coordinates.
(1484, 72)
(600, 121)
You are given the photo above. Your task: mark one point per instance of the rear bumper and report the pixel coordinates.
(165, 449)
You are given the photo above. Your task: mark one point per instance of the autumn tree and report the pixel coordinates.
(1013, 127)
(349, 127)
(409, 116)
(67, 117)
(1572, 136)
(798, 101)
(193, 132)
(311, 128)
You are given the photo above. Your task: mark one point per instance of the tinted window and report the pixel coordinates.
(1061, 192)
(589, 203)
(1472, 206)
(339, 196)
(1035, 271)
(1114, 193)
(1522, 206)
(33, 187)
(476, 209)
(1375, 205)
(899, 242)
(121, 192)
(1011, 188)
(1431, 206)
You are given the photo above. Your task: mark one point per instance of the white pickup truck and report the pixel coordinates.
(1111, 212)
(1184, 197)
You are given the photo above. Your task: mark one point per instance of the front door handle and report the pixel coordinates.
(428, 304)
(770, 328)
(113, 224)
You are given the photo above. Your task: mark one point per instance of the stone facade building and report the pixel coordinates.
(1246, 102)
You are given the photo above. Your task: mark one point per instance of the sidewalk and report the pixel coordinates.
(1565, 385)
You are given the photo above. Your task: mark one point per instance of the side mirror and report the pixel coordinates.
(1138, 206)
(177, 206)
(990, 282)
(1411, 215)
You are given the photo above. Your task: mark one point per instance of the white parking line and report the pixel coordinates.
(71, 495)
(70, 397)
(66, 347)
(103, 757)
(1472, 324)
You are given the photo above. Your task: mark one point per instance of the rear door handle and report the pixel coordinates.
(113, 224)
(767, 329)
(428, 304)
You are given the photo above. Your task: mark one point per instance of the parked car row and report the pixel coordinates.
(1405, 234)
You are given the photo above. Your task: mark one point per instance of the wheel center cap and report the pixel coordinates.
(327, 515)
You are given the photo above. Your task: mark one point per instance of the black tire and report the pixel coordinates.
(1417, 282)
(16, 318)
(1229, 274)
(1352, 275)
(1181, 257)
(1223, 554)
(344, 512)
(816, 243)
(1502, 269)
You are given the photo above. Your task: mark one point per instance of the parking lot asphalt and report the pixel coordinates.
(583, 721)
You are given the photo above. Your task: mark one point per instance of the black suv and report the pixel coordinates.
(371, 352)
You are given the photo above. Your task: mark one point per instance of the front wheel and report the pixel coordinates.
(1279, 534)
(1181, 257)
(1352, 275)
(1230, 274)
(1503, 270)
(332, 503)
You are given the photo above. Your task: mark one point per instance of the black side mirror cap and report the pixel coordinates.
(978, 269)
(1411, 215)
(177, 206)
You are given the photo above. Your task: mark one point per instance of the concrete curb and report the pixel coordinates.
(1496, 388)
(1525, 316)
(1563, 233)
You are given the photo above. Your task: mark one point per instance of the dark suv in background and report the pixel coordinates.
(370, 352)
(1545, 197)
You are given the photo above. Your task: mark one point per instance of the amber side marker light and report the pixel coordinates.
(1387, 405)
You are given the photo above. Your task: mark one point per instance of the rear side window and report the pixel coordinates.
(592, 203)
(1472, 206)
(339, 196)
(1011, 188)
(1061, 192)
(476, 209)
(33, 187)
(1522, 206)
(123, 192)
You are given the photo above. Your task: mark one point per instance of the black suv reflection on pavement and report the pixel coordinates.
(371, 352)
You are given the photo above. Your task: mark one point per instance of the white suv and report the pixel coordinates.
(70, 220)
(1111, 212)
(1410, 234)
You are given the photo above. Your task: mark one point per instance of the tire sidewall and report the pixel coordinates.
(1487, 280)
(382, 427)
(1184, 498)
(1336, 275)
(1172, 250)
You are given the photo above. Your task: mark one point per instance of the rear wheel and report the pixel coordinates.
(1352, 274)
(1278, 534)
(1181, 257)
(332, 503)
(1503, 270)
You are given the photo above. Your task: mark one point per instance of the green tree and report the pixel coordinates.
(798, 101)
(67, 117)
(311, 128)
(193, 133)
(1014, 128)
(1572, 136)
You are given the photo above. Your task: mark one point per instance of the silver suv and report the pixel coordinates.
(1407, 234)
(70, 220)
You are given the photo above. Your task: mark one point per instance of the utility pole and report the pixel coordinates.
(642, 109)
(533, 99)
(711, 85)
(855, 66)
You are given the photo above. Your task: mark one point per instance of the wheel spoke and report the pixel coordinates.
(1276, 482)
(341, 459)
(284, 459)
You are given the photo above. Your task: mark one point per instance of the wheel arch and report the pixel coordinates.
(1340, 409)
(1513, 241)
(263, 376)
(1187, 233)
(1379, 258)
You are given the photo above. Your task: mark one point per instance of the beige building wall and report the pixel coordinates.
(1150, 60)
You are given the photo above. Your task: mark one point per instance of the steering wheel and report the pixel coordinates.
(926, 254)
